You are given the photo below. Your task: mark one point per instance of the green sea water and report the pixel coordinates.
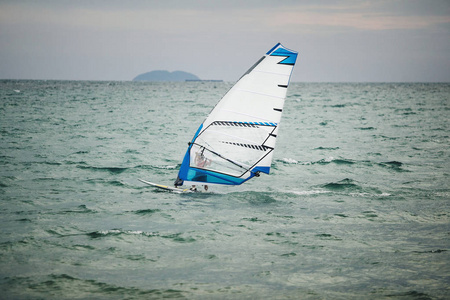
(356, 206)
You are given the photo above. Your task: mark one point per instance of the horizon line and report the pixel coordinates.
(208, 80)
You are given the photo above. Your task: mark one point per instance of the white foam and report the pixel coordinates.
(307, 193)
(289, 161)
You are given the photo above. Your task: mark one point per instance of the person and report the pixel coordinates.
(194, 188)
(201, 162)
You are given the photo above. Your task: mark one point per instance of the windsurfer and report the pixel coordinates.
(201, 162)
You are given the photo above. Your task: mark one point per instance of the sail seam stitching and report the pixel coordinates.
(251, 116)
(258, 93)
(232, 136)
(276, 73)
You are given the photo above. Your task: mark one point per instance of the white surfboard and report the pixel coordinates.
(165, 187)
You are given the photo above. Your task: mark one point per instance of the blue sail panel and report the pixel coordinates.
(211, 177)
(184, 169)
(182, 174)
(291, 56)
(262, 169)
(205, 176)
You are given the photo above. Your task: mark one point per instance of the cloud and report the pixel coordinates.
(359, 17)
(173, 20)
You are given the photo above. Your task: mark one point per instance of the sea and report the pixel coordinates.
(357, 205)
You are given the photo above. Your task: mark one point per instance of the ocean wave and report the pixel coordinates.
(323, 161)
(354, 189)
(158, 167)
(287, 161)
(143, 212)
(339, 161)
(3, 185)
(64, 286)
(116, 183)
(366, 128)
(393, 165)
(327, 236)
(50, 163)
(309, 193)
(254, 198)
(431, 251)
(326, 148)
(167, 167)
(112, 170)
(346, 183)
(376, 194)
(81, 209)
(119, 232)
(337, 105)
(176, 237)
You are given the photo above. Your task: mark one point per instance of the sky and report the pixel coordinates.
(337, 41)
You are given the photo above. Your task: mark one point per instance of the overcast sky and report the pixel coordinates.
(337, 41)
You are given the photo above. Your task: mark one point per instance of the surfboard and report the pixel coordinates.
(165, 187)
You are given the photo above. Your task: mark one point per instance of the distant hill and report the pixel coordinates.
(166, 76)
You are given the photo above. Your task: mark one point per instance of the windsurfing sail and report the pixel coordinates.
(236, 141)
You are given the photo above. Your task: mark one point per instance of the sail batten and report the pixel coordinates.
(252, 116)
(233, 136)
(237, 139)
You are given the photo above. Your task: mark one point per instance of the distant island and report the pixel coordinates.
(161, 75)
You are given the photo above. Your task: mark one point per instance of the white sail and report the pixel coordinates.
(237, 139)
